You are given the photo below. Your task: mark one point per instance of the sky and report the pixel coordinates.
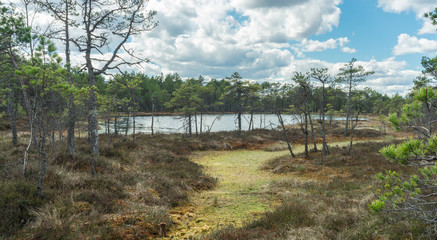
(268, 40)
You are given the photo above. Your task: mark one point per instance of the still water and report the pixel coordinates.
(210, 123)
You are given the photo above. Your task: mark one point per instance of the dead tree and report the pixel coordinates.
(108, 25)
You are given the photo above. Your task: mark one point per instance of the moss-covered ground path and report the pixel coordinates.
(242, 191)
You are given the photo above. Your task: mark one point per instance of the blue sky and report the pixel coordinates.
(372, 32)
(268, 40)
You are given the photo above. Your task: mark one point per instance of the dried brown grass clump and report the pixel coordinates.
(5, 125)
(338, 188)
(272, 225)
(16, 203)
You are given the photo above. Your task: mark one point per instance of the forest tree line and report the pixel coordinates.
(53, 96)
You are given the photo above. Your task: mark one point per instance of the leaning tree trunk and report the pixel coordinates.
(312, 133)
(30, 113)
(353, 131)
(278, 114)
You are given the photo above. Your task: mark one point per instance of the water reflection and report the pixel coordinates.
(208, 123)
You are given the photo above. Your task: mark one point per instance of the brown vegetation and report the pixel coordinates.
(135, 186)
(330, 196)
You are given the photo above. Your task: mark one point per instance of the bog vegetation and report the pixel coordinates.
(60, 180)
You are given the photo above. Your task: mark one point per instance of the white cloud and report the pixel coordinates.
(218, 37)
(419, 7)
(390, 76)
(348, 50)
(410, 44)
(428, 28)
(319, 46)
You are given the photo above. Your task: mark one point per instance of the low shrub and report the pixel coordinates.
(16, 201)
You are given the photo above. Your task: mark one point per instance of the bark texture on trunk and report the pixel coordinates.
(43, 162)
(312, 133)
(349, 101)
(285, 134)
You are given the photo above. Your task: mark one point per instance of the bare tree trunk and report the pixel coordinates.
(26, 152)
(189, 125)
(353, 131)
(133, 124)
(43, 162)
(153, 118)
(108, 133)
(251, 121)
(312, 133)
(429, 118)
(325, 145)
(71, 123)
(52, 138)
(195, 122)
(239, 111)
(94, 138)
(13, 114)
(201, 122)
(127, 127)
(116, 125)
(30, 113)
(60, 134)
(349, 100)
(306, 130)
(278, 114)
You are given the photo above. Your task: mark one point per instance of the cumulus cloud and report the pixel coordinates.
(410, 44)
(390, 76)
(218, 37)
(319, 46)
(348, 50)
(419, 7)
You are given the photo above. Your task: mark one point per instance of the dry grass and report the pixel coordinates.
(330, 196)
(135, 186)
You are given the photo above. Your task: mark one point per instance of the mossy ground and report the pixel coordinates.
(243, 192)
